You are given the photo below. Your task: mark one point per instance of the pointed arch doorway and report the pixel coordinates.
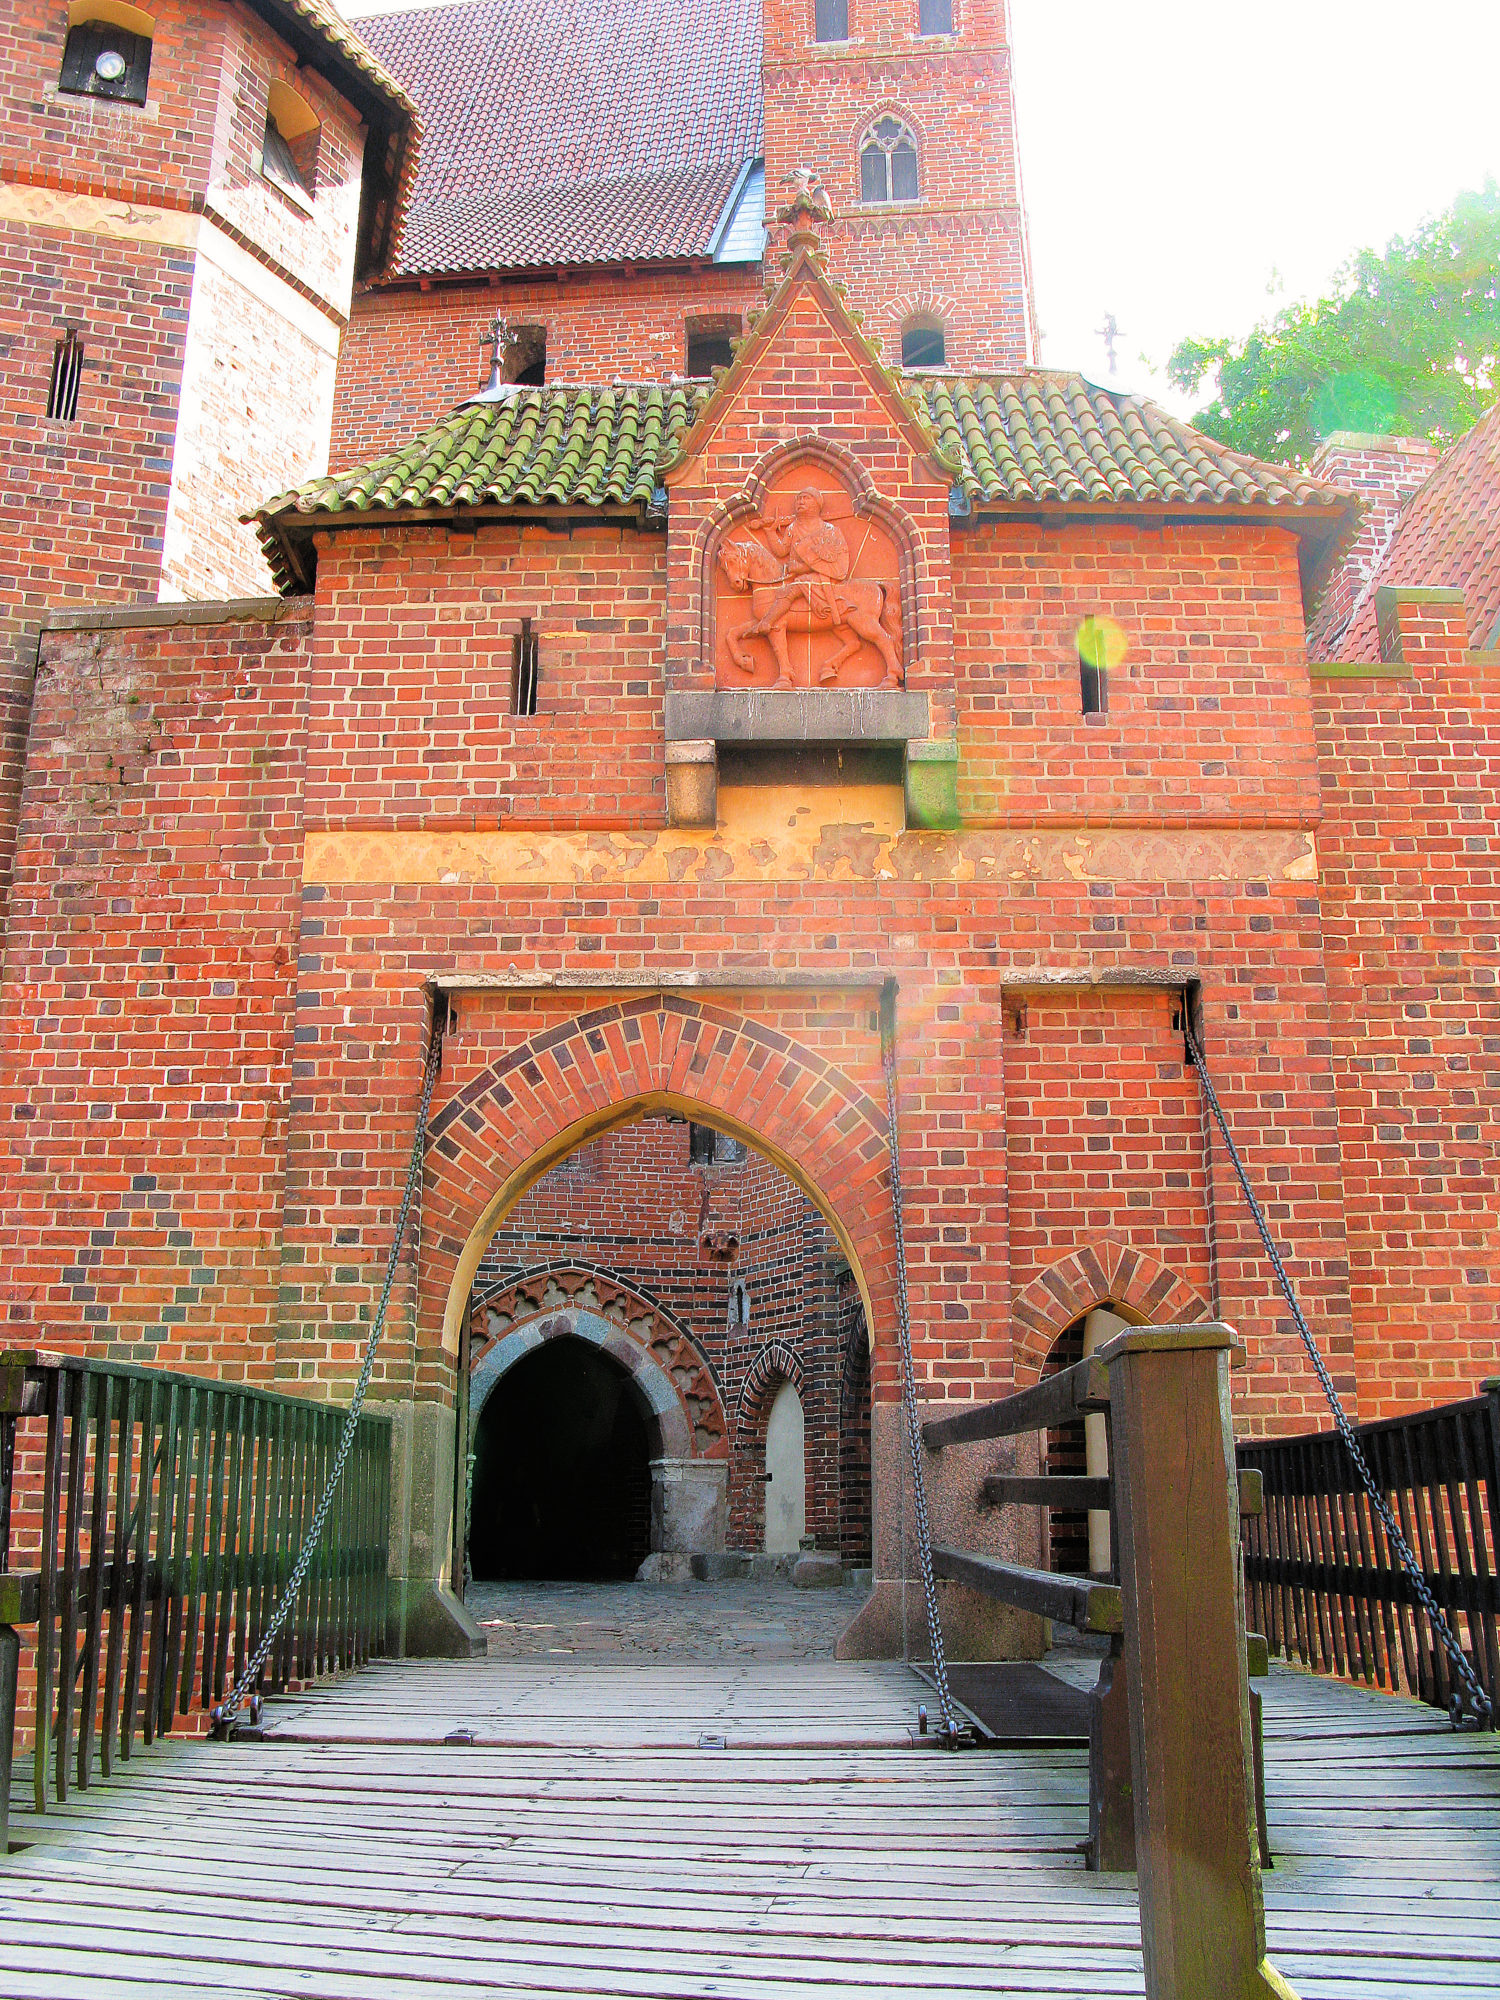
(512, 1149)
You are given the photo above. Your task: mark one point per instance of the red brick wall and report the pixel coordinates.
(1104, 1134)
(195, 137)
(1385, 472)
(1411, 915)
(198, 398)
(410, 356)
(531, 1070)
(409, 719)
(165, 147)
(82, 506)
(1212, 626)
(164, 816)
(149, 985)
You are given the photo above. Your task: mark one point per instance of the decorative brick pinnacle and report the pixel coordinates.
(809, 197)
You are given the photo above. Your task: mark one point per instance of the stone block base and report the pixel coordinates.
(427, 1622)
(974, 1627)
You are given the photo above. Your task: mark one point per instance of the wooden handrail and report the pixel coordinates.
(1080, 1601)
(1010, 1489)
(1178, 1668)
(168, 1518)
(1068, 1489)
(1057, 1399)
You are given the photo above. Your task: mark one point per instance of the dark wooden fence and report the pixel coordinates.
(1322, 1582)
(148, 1522)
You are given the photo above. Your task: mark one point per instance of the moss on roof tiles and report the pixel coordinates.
(1042, 439)
(1049, 438)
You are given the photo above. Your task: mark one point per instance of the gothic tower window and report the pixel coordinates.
(888, 162)
(107, 53)
(831, 20)
(934, 17)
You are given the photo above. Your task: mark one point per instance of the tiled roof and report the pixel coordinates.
(381, 92)
(558, 132)
(662, 215)
(1040, 439)
(1448, 537)
(1051, 439)
(562, 447)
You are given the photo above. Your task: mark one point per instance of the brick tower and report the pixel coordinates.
(187, 194)
(905, 109)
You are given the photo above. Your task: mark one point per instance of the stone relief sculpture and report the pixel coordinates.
(821, 611)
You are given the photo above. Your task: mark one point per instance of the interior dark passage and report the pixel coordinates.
(562, 1476)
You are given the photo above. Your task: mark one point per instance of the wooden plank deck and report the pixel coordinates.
(585, 1845)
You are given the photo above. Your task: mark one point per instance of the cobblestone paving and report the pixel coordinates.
(694, 1621)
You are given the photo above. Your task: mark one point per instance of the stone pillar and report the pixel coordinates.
(1101, 1325)
(692, 783)
(425, 1619)
(688, 1505)
(974, 1627)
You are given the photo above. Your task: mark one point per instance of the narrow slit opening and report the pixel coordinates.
(67, 376)
(524, 670)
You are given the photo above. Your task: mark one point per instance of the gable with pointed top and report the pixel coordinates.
(808, 543)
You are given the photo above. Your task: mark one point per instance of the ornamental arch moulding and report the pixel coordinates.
(809, 578)
(579, 1302)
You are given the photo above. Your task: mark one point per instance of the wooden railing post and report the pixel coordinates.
(1197, 1854)
(194, 1502)
(12, 1388)
(10, 1669)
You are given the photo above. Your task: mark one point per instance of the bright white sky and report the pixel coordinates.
(1180, 155)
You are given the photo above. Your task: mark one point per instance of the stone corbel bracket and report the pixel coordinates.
(698, 722)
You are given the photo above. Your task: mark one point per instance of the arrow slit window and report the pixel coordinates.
(525, 670)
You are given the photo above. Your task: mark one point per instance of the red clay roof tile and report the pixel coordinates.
(1449, 537)
(561, 133)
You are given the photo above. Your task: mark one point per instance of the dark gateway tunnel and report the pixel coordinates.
(562, 1475)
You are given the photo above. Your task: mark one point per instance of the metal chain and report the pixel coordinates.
(1479, 1701)
(223, 1715)
(908, 1375)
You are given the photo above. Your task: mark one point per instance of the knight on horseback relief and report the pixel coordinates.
(824, 600)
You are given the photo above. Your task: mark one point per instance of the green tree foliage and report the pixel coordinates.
(1408, 344)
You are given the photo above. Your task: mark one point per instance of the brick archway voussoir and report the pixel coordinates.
(505, 1127)
(776, 1362)
(1105, 1273)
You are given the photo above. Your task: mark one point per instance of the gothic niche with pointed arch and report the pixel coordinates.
(809, 585)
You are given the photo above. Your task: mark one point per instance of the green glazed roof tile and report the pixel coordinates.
(1039, 439)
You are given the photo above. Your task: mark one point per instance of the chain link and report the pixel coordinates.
(1479, 1701)
(908, 1373)
(225, 1713)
